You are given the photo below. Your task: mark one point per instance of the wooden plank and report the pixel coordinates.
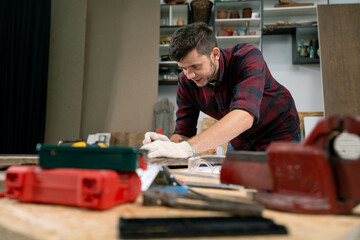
(170, 162)
(133, 139)
(11, 160)
(182, 162)
(339, 31)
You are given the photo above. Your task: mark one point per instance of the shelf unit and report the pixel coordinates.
(270, 12)
(267, 14)
(306, 33)
(297, 14)
(169, 16)
(170, 13)
(300, 27)
(255, 23)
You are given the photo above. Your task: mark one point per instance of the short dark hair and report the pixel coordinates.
(193, 36)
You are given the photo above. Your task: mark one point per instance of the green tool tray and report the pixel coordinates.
(115, 158)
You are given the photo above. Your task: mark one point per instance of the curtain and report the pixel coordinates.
(24, 51)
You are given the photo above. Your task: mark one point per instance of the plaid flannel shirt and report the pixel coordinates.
(244, 82)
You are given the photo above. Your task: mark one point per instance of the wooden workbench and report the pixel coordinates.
(41, 221)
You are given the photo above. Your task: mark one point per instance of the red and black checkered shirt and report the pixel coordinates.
(244, 82)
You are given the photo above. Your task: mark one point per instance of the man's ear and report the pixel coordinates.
(216, 53)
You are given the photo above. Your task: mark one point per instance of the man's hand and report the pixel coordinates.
(152, 136)
(169, 149)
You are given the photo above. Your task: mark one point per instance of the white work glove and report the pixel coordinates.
(169, 149)
(152, 136)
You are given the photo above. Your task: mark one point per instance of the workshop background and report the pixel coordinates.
(103, 73)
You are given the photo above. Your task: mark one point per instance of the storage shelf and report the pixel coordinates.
(290, 11)
(228, 41)
(255, 24)
(237, 22)
(230, 20)
(305, 60)
(170, 13)
(240, 39)
(306, 33)
(231, 5)
(168, 63)
(281, 30)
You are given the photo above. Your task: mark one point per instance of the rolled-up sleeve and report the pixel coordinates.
(248, 91)
(187, 114)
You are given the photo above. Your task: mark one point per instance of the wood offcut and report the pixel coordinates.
(11, 160)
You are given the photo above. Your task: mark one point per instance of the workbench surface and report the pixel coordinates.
(41, 221)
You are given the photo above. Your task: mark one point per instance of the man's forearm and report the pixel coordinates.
(226, 129)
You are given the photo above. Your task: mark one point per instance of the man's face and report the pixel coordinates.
(199, 68)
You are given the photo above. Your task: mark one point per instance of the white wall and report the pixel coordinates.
(303, 81)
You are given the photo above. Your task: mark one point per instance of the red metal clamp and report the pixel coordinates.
(306, 177)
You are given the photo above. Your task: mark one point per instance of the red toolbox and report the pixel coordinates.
(95, 189)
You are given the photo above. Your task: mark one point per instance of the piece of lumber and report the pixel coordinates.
(170, 162)
(132, 139)
(12, 160)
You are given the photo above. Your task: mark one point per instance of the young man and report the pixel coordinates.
(232, 85)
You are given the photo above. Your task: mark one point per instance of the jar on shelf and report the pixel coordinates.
(234, 14)
(180, 22)
(229, 31)
(303, 51)
(222, 14)
(242, 31)
(201, 10)
(246, 13)
(313, 48)
(247, 27)
(222, 31)
(312, 51)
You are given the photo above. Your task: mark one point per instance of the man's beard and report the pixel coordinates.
(213, 68)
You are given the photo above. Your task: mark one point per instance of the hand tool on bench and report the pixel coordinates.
(166, 190)
(306, 177)
(196, 200)
(131, 228)
(165, 180)
(244, 216)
